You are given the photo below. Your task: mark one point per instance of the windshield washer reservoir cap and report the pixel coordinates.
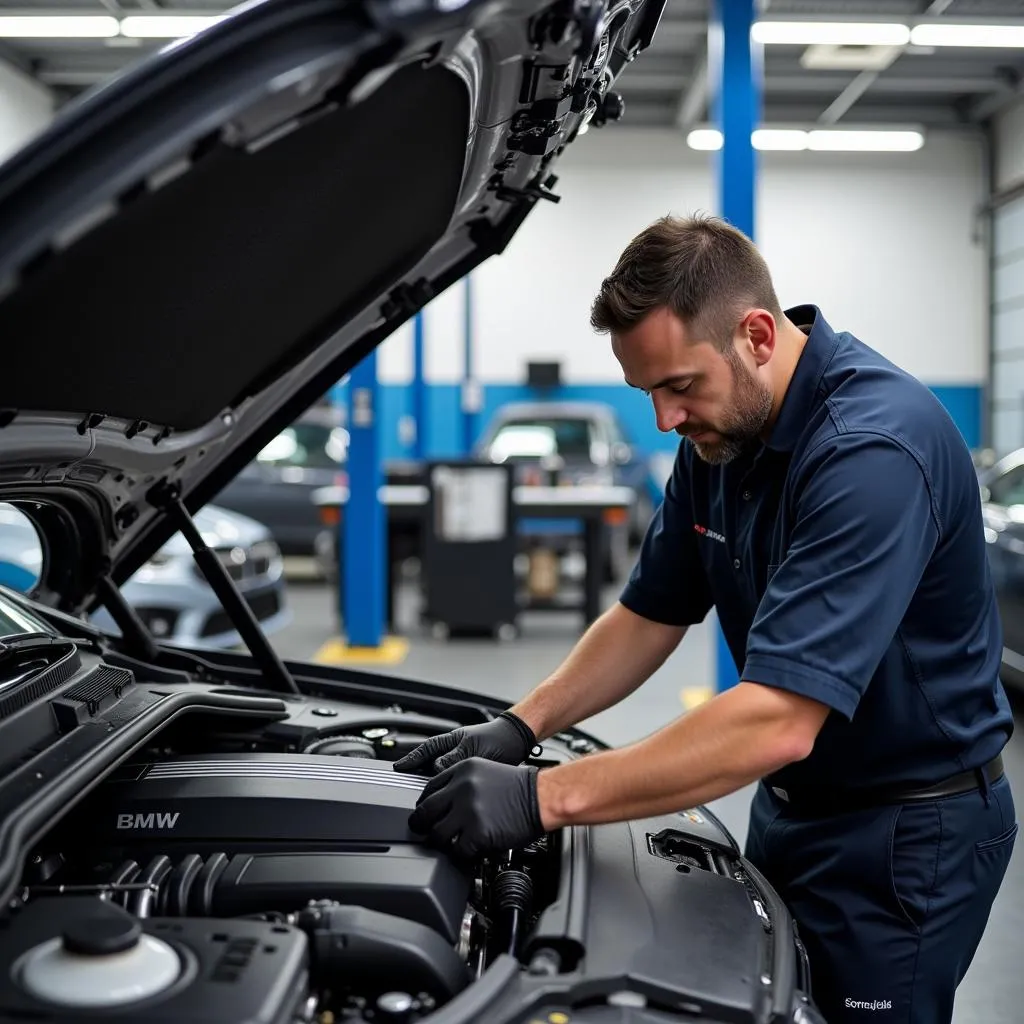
(101, 934)
(102, 959)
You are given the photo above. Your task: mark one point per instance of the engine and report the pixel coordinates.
(191, 879)
(252, 832)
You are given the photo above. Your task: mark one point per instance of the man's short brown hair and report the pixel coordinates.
(701, 268)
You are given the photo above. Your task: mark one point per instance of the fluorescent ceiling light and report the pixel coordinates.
(166, 26)
(831, 33)
(708, 139)
(836, 140)
(791, 139)
(57, 26)
(840, 140)
(1008, 36)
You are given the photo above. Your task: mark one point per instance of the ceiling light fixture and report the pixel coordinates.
(791, 139)
(864, 141)
(166, 26)
(830, 33)
(1006, 36)
(57, 26)
(707, 139)
(825, 140)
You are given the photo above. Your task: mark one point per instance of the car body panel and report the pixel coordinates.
(1002, 487)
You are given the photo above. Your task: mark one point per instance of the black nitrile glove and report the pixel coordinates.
(507, 739)
(477, 806)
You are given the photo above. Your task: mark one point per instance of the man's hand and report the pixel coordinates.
(507, 739)
(477, 806)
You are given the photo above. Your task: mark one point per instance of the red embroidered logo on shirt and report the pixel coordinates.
(705, 532)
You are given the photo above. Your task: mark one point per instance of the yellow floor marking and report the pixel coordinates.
(391, 651)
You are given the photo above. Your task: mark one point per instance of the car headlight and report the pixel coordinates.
(151, 567)
(265, 556)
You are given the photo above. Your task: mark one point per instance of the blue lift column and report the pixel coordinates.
(364, 563)
(735, 67)
(419, 387)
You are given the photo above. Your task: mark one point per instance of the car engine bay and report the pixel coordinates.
(199, 848)
(310, 843)
(304, 859)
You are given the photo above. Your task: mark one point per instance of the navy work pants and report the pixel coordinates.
(890, 902)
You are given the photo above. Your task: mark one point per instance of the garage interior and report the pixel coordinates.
(887, 187)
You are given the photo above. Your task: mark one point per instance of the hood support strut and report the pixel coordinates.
(167, 498)
(133, 630)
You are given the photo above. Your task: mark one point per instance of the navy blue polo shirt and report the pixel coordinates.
(846, 560)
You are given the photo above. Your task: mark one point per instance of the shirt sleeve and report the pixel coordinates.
(668, 583)
(865, 528)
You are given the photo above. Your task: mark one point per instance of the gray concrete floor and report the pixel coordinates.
(992, 992)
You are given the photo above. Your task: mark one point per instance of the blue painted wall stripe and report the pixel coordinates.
(444, 436)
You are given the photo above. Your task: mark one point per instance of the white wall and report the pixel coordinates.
(883, 243)
(25, 109)
(1009, 147)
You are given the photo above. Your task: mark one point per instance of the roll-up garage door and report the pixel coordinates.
(1008, 328)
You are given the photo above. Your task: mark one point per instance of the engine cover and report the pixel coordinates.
(249, 833)
(309, 798)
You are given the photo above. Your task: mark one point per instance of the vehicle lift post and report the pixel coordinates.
(736, 69)
(419, 386)
(364, 526)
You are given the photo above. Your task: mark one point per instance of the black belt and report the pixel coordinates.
(858, 800)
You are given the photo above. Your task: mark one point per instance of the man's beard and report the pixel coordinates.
(753, 406)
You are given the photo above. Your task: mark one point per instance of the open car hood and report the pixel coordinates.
(194, 253)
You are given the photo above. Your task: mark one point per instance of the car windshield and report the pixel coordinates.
(536, 438)
(307, 445)
(16, 620)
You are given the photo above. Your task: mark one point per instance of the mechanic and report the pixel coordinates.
(825, 504)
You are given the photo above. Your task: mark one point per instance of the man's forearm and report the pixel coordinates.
(738, 737)
(617, 653)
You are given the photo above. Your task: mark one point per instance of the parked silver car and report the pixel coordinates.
(173, 598)
(169, 593)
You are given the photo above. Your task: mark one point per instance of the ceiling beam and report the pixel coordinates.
(1005, 95)
(866, 79)
(807, 112)
(17, 59)
(882, 83)
(846, 99)
(23, 65)
(651, 82)
(81, 78)
(679, 32)
(693, 98)
(113, 7)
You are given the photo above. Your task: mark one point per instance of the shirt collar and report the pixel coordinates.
(802, 395)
